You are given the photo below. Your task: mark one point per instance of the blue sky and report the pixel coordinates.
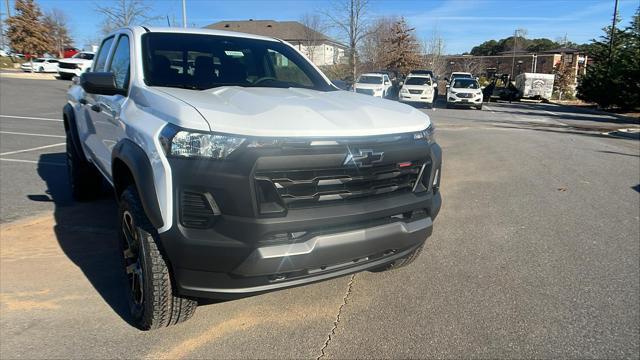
(461, 23)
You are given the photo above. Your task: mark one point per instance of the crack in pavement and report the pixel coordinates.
(337, 320)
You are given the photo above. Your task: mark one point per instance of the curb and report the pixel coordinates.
(29, 76)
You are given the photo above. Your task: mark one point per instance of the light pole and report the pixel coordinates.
(613, 30)
(184, 13)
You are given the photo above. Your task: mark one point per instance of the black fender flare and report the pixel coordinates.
(71, 129)
(140, 168)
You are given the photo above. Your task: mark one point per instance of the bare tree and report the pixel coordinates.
(471, 64)
(56, 21)
(433, 49)
(124, 13)
(349, 17)
(313, 33)
(374, 45)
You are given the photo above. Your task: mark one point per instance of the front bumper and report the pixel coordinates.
(243, 252)
(416, 98)
(74, 72)
(477, 100)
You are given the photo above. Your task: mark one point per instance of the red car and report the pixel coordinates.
(69, 52)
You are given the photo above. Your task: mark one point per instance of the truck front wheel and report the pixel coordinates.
(153, 302)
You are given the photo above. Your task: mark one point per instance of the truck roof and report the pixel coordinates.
(199, 31)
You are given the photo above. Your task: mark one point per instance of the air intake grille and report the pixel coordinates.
(304, 188)
(198, 209)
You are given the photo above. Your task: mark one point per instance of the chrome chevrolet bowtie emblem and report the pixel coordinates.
(363, 158)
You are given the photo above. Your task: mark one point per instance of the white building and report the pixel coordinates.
(318, 47)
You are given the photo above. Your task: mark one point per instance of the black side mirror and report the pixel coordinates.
(102, 83)
(446, 79)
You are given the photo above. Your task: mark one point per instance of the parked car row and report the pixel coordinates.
(421, 87)
(66, 68)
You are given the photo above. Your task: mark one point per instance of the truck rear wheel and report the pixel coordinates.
(85, 181)
(153, 302)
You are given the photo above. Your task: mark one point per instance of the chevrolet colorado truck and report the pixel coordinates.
(239, 168)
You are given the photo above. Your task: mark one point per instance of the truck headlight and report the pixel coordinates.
(184, 143)
(426, 134)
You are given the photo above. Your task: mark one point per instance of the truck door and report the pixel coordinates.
(111, 129)
(93, 112)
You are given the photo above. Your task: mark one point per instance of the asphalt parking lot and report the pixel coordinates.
(536, 253)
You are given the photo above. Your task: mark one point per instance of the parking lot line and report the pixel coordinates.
(32, 149)
(34, 162)
(30, 118)
(30, 134)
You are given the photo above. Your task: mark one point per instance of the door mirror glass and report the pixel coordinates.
(102, 83)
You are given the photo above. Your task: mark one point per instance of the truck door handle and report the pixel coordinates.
(83, 101)
(96, 108)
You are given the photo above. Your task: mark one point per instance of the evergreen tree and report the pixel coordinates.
(614, 78)
(27, 33)
(402, 51)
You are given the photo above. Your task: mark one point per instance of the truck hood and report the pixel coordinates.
(296, 112)
(75, 61)
(368, 86)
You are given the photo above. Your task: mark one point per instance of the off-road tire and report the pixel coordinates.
(161, 306)
(479, 107)
(84, 178)
(400, 262)
(40, 69)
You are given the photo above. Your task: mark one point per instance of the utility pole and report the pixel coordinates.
(613, 30)
(184, 13)
(513, 61)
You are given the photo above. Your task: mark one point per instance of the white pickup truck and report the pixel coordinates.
(239, 168)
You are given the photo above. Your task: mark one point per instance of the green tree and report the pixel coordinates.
(491, 47)
(613, 79)
(27, 33)
(402, 48)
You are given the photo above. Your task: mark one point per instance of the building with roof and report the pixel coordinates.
(318, 47)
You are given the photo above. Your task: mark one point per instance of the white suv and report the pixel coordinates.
(239, 168)
(418, 89)
(374, 84)
(75, 65)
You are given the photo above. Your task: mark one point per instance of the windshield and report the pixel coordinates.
(422, 72)
(38, 60)
(197, 61)
(85, 56)
(368, 79)
(461, 76)
(465, 84)
(418, 81)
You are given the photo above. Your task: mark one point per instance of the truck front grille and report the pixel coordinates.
(65, 65)
(317, 187)
(365, 91)
(415, 92)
